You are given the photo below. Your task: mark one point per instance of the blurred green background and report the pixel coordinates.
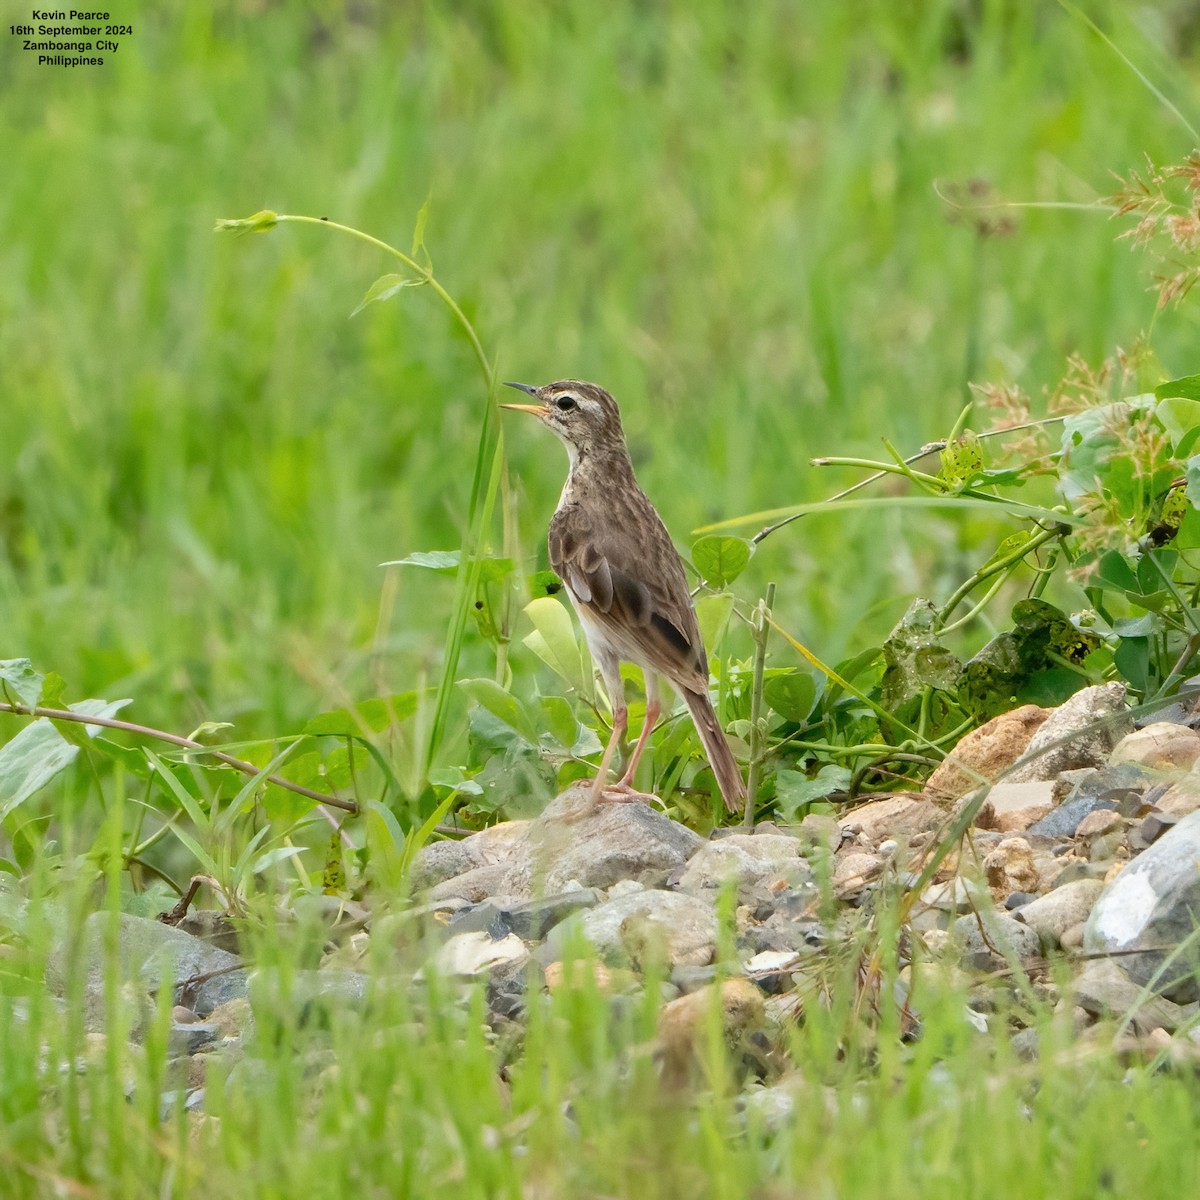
(727, 214)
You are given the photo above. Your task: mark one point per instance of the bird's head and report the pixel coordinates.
(584, 416)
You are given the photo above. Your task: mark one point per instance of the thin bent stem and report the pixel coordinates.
(174, 739)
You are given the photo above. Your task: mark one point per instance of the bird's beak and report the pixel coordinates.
(538, 410)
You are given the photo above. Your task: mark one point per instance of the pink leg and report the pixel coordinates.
(620, 724)
(653, 708)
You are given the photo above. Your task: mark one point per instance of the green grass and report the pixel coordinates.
(728, 217)
(725, 214)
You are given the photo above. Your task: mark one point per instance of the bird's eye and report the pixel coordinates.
(565, 403)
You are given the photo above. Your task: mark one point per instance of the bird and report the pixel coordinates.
(625, 580)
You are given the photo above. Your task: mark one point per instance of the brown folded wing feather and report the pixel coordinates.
(626, 577)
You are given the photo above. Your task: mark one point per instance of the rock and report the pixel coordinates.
(1159, 746)
(147, 953)
(1154, 905)
(681, 928)
(1119, 788)
(951, 896)
(467, 954)
(747, 860)
(853, 871)
(1182, 797)
(583, 973)
(1154, 826)
(597, 847)
(186, 1038)
(683, 1027)
(987, 751)
(530, 920)
(1005, 938)
(1051, 915)
(1098, 822)
(895, 817)
(234, 1019)
(1079, 733)
(1103, 989)
(474, 886)
(821, 829)
(444, 860)
(1013, 807)
(1010, 867)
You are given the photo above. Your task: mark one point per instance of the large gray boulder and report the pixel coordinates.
(1153, 908)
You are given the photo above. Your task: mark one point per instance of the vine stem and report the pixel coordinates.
(762, 630)
(174, 739)
(486, 481)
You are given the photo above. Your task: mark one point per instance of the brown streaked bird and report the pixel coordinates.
(625, 579)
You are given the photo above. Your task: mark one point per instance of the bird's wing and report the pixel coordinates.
(626, 576)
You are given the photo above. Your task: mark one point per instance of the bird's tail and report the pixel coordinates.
(724, 765)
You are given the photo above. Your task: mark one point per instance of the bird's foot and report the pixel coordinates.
(623, 793)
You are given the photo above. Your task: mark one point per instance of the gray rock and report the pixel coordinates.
(530, 920)
(1005, 938)
(1118, 788)
(747, 861)
(597, 846)
(440, 861)
(1153, 906)
(185, 1038)
(148, 953)
(1051, 915)
(474, 885)
(1103, 989)
(1079, 733)
(679, 929)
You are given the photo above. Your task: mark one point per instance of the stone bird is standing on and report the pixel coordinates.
(625, 579)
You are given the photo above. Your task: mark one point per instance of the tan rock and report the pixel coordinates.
(683, 1026)
(854, 871)
(1020, 819)
(1100, 821)
(1010, 867)
(1182, 797)
(987, 751)
(1159, 746)
(896, 817)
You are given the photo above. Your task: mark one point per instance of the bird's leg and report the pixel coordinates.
(624, 789)
(620, 725)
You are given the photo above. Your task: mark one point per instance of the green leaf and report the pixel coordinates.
(386, 286)
(448, 562)
(720, 558)
(543, 583)
(793, 694)
(39, 752)
(18, 678)
(962, 461)
(418, 240)
(553, 641)
(501, 704)
(385, 845)
(1187, 387)
(712, 615)
(53, 691)
(1114, 571)
(794, 790)
(371, 716)
(916, 658)
(560, 720)
(1178, 414)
